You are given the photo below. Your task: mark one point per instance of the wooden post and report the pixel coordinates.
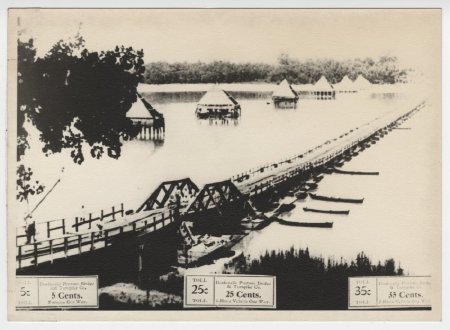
(65, 247)
(121, 209)
(64, 226)
(51, 251)
(140, 264)
(19, 256)
(35, 255)
(92, 241)
(79, 244)
(106, 238)
(114, 213)
(101, 215)
(76, 224)
(48, 229)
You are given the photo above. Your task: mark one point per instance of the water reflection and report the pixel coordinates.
(267, 135)
(155, 143)
(219, 121)
(158, 143)
(173, 97)
(187, 97)
(385, 96)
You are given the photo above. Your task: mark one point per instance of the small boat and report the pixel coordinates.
(307, 209)
(305, 224)
(290, 193)
(207, 248)
(285, 208)
(301, 195)
(254, 224)
(336, 199)
(318, 178)
(328, 170)
(355, 172)
(311, 185)
(316, 224)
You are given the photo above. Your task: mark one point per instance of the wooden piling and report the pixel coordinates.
(35, 255)
(140, 249)
(19, 256)
(51, 251)
(65, 247)
(92, 241)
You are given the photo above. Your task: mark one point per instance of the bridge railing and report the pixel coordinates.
(59, 227)
(354, 137)
(62, 242)
(75, 244)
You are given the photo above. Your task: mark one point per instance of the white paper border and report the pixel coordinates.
(232, 4)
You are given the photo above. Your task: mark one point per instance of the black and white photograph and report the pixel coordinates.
(224, 160)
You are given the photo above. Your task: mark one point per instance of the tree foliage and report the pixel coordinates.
(383, 70)
(25, 185)
(307, 282)
(76, 98)
(199, 72)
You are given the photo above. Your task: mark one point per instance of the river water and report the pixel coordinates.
(396, 220)
(391, 222)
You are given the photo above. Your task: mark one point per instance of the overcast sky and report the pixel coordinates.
(245, 35)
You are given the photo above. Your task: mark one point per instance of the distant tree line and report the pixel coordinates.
(307, 282)
(384, 70)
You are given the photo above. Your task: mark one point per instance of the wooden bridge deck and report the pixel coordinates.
(260, 179)
(64, 238)
(70, 244)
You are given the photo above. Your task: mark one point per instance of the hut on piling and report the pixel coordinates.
(146, 118)
(304, 91)
(217, 103)
(323, 90)
(361, 83)
(346, 85)
(284, 96)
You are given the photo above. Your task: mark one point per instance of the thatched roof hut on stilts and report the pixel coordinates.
(217, 103)
(346, 85)
(284, 96)
(323, 90)
(147, 119)
(361, 83)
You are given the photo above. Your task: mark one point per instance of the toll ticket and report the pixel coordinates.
(43, 292)
(248, 291)
(389, 292)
